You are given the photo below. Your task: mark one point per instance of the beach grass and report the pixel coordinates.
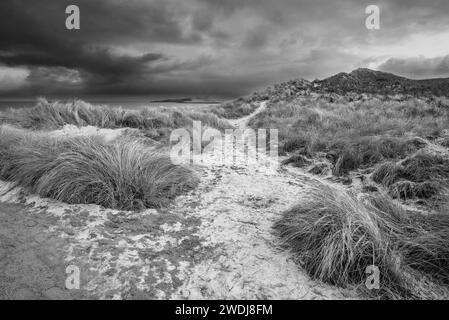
(336, 236)
(121, 174)
(47, 115)
(354, 134)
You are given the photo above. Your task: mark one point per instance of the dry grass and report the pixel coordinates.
(235, 109)
(336, 236)
(427, 249)
(53, 115)
(422, 175)
(354, 134)
(120, 175)
(424, 166)
(387, 173)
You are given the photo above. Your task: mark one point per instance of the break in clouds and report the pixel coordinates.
(210, 47)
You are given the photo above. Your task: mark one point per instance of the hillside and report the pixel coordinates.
(359, 81)
(370, 81)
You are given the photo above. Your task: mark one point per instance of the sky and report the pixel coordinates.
(210, 48)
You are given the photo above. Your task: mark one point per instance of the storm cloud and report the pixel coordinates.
(418, 67)
(210, 47)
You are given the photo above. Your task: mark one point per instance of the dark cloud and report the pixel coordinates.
(256, 39)
(35, 37)
(212, 47)
(202, 22)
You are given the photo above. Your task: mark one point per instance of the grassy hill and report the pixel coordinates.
(370, 81)
(378, 144)
(353, 86)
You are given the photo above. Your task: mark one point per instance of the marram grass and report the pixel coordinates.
(336, 236)
(121, 175)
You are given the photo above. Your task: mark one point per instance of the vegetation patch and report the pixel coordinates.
(423, 176)
(121, 174)
(336, 236)
(353, 134)
(157, 122)
(235, 109)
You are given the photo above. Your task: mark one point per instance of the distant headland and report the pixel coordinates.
(185, 100)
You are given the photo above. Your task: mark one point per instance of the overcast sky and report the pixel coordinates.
(223, 48)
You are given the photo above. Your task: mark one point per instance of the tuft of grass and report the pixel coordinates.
(422, 175)
(387, 173)
(426, 248)
(405, 189)
(297, 160)
(429, 254)
(296, 143)
(347, 161)
(336, 237)
(121, 174)
(390, 211)
(424, 166)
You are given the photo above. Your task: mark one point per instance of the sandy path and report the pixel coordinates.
(213, 243)
(236, 218)
(243, 122)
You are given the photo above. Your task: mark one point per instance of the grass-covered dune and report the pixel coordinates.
(121, 174)
(336, 236)
(235, 109)
(357, 134)
(423, 175)
(398, 146)
(158, 122)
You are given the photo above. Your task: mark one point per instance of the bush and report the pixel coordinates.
(120, 175)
